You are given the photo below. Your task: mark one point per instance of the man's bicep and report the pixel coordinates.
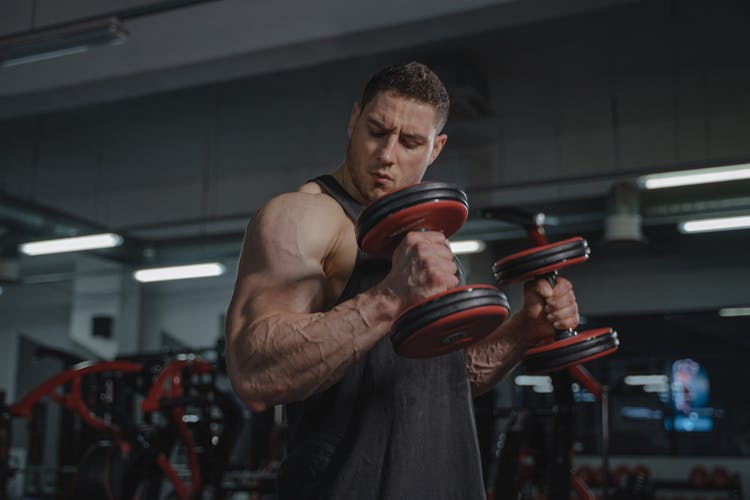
(281, 266)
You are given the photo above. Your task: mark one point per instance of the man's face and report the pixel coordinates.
(392, 141)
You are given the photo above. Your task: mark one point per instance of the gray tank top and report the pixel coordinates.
(392, 428)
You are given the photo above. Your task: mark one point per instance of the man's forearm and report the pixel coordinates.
(490, 360)
(288, 357)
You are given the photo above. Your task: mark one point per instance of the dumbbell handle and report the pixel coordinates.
(533, 223)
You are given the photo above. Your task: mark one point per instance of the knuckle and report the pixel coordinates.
(411, 236)
(421, 245)
(414, 239)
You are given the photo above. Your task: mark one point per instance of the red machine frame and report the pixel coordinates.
(167, 386)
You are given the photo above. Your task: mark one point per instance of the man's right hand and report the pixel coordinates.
(422, 266)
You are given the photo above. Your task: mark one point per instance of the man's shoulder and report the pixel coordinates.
(292, 228)
(303, 208)
(307, 200)
(310, 188)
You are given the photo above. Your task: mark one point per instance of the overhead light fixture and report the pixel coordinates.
(10, 267)
(467, 246)
(74, 244)
(716, 224)
(526, 380)
(646, 379)
(650, 383)
(728, 312)
(641, 413)
(206, 270)
(541, 384)
(655, 388)
(543, 389)
(623, 221)
(695, 176)
(61, 41)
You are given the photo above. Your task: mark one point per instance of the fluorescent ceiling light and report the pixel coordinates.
(646, 379)
(74, 244)
(467, 246)
(542, 389)
(541, 384)
(728, 312)
(718, 224)
(61, 41)
(525, 380)
(641, 413)
(179, 272)
(696, 176)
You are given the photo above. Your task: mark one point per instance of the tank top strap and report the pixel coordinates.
(331, 187)
(353, 209)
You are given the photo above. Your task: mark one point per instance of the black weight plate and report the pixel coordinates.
(450, 321)
(530, 254)
(445, 216)
(571, 351)
(398, 200)
(541, 260)
(437, 307)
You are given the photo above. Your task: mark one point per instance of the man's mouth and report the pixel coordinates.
(380, 176)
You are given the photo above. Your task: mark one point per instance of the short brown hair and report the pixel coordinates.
(412, 80)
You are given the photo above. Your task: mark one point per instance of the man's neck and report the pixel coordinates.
(341, 174)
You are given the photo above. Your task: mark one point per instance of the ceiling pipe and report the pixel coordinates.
(36, 219)
(79, 35)
(119, 14)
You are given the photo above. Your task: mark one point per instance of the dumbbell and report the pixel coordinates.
(569, 347)
(447, 321)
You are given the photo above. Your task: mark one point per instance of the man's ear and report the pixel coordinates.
(437, 147)
(353, 118)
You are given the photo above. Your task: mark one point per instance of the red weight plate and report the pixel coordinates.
(446, 216)
(546, 253)
(531, 251)
(568, 341)
(439, 306)
(561, 354)
(547, 269)
(449, 292)
(452, 332)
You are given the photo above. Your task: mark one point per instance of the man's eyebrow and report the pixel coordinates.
(377, 123)
(414, 137)
(381, 126)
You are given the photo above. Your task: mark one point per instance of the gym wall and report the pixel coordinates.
(645, 85)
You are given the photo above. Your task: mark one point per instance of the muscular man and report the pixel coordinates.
(308, 323)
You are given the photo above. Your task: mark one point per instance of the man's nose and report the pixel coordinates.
(387, 152)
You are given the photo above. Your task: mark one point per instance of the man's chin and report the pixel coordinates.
(381, 189)
(373, 188)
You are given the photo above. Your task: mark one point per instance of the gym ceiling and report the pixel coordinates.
(174, 46)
